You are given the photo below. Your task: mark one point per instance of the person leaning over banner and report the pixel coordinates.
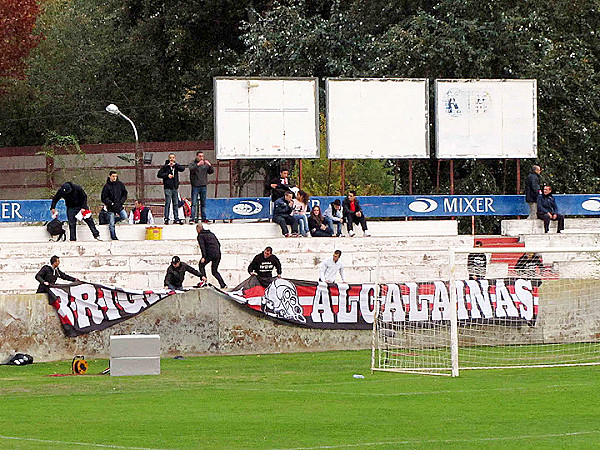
(532, 190)
(140, 214)
(200, 168)
(353, 213)
(262, 266)
(330, 267)
(114, 196)
(169, 173)
(210, 247)
(76, 202)
(48, 275)
(547, 210)
(529, 266)
(176, 273)
(477, 264)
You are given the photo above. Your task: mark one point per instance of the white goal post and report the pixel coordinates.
(527, 307)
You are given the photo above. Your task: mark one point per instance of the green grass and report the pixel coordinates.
(307, 400)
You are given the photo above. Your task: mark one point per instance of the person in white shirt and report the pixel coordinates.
(330, 267)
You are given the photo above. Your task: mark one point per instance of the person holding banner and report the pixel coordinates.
(176, 274)
(48, 275)
(262, 266)
(330, 267)
(77, 207)
(210, 247)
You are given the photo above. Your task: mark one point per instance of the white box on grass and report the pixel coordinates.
(135, 354)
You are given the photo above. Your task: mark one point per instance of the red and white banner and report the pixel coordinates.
(352, 306)
(86, 307)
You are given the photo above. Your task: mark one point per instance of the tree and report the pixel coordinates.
(17, 36)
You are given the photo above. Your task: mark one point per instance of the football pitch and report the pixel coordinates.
(297, 401)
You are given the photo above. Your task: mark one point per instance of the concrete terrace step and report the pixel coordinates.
(527, 226)
(236, 230)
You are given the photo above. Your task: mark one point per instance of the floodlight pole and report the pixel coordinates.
(139, 155)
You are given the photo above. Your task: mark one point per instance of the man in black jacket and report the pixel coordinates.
(532, 190)
(200, 168)
(114, 195)
(279, 186)
(176, 273)
(547, 210)
(210, 247)
(262, 266)
(170, 176)
(353, 214)
(76, 201)
(48, 275)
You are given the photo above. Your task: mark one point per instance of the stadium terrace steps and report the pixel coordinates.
(528, 226)
(142, 264)
(236, 230)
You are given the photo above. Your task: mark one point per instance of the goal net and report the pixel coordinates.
(497, 308)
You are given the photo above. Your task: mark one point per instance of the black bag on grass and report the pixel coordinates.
(20, 359)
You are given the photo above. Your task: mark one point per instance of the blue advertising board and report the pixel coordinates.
(256, 208)
(30, 210)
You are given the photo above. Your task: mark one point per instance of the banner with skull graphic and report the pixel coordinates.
(511, 302)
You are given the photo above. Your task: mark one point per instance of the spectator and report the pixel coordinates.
(532, 190)
(317, 225)
(547, 210)
(279, 186)
(353, 214)
(300, 210)
(210, 247)
(477, 264)
(529, 266)
(330, 267)
(262, 267)
(114, 195)
(335, 215)
(282, 214)
(76, 202)
(170, 176)
(200, 168)
(176, 273)
(140, 214)
(48, 275)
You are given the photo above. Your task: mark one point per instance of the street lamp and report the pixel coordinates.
(139, 156)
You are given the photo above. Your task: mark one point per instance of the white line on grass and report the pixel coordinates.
(87, 444)
(449, 441)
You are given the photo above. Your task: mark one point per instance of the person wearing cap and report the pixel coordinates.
(48, 275)
(114, 196)
(334, 214)
(76, 202)
(176, 273)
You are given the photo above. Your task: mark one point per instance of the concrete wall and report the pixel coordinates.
(195, 323)
(203, 322)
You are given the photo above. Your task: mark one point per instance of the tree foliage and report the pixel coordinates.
(17, 35)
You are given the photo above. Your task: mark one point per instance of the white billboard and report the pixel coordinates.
(266, 118)
(486, 118)
(377, 118)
